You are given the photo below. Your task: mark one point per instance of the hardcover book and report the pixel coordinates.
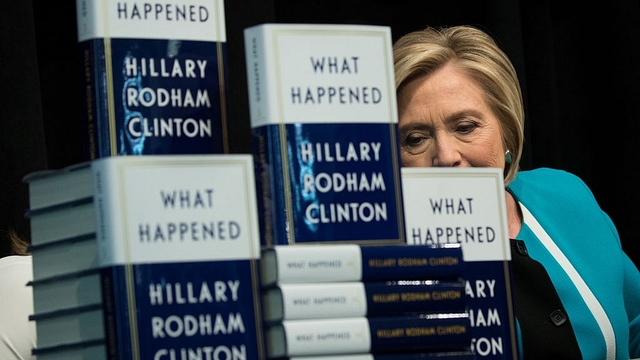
(64, 257)
(375, 335)
(66, 222)
(362, 299)
(179, 249)
(66, 291)
(324, 127)
(53, 187)
(317, 263)
(61, 327)
(154, 77)
(85, 350)
(467, 207)
(446, 355)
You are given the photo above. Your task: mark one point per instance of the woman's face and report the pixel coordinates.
(444, 120)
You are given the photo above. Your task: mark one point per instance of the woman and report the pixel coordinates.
(17, 332)
(460, 105)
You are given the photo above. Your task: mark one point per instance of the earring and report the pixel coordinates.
(507, 157)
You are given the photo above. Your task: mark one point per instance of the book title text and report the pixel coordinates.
(190, 200)
(324, 66)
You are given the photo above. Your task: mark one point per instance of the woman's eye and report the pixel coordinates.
(414, 140)
(415, 143)
(466, 128)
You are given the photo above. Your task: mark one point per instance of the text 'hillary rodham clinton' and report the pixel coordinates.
(205, 325)
(336, 182)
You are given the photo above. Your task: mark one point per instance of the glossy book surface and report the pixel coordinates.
(324, 122)
(178, 250)
(154, 80)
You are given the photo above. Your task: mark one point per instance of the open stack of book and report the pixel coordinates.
(394, 301)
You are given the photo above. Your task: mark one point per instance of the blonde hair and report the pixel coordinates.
(12, 244)
(475, 52)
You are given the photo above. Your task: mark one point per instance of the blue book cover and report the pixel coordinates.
(324, 124)
(466, 206)
(154, 77)
(179, 248)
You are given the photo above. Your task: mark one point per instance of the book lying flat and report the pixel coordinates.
(84, 350)
(286, 264)
(52, 187)
(368, 335)
(83, 323)
(66, 256)
(66, 291)
(446, 355)
(62, 222)
(358, 299)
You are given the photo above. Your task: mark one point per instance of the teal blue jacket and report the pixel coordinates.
(565, 229)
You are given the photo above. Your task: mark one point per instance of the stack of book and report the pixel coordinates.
(154, 84)
(467, 206)
(67, 297)
(147, 257)
(324, 123)
(360, 300)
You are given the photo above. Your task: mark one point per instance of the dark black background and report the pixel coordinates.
(579, 66)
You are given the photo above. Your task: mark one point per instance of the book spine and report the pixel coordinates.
(108, 205)
(448, 355)
(268, 158)
(88, 108)
(114, 316)
(354, 299)
(389, 262)
(266, 146)
(94, 80)
(154, 81)
(368, 335)
(325, 134)
(351, 262)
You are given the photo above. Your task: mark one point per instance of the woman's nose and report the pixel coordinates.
(446, 153)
